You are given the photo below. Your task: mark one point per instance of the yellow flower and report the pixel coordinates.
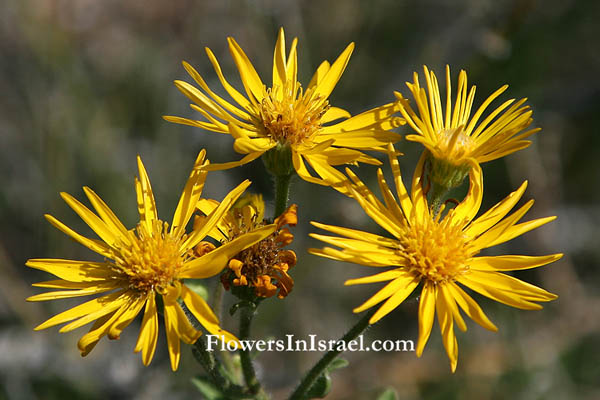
(452, 135)
(288, 119)
(152, 259)
(441, 252)
(263, 266)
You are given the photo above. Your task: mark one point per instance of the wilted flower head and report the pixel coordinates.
(265, 265)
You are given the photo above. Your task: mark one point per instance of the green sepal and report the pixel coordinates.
(278, 160)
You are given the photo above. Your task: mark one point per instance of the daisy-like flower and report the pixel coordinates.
(287, 123)
(152, 259)
(263, 266)
(452, 136)
(440, 252)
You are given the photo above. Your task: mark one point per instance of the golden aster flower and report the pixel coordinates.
(439, 252)
(291, 121)
(452, 136)
(263, 266)
(152, 259)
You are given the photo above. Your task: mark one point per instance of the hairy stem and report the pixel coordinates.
(252, 383)
(320, 367)
(282, 191)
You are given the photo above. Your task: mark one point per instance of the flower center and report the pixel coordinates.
(290, 115)
(436, 251)
(152, 260)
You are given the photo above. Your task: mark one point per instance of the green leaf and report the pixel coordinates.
(208, 390)
(320, 388)
(389, 394)
(338, 363)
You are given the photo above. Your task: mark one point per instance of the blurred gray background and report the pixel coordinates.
(84, 85)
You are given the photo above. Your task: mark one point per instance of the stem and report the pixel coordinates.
(246, 315)
(316, 371)
(210, 364)
(282, 191)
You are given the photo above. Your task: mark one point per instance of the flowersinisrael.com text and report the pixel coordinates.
(216, 342)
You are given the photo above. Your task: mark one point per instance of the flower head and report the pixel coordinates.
(288, 118)
(441, 252)
(263, 266)
(153, 259)
(452, 136)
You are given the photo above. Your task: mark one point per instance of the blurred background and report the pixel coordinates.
(84, 85)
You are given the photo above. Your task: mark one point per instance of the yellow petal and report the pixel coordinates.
(517, 300)
(127, 316)
(279, 62)
(209, 126)
(332, 176)
(332, 114)
(518, 230)
(94, 245)
(420, 208)
(444, 289)
(378, 119)
(511, 263)
(230, 107)
(111, 220)
(319, 74)
(333, 75)
(189, 197)
(354, 244)
(228, 165)
(148, 336)
(356, 234)
(115, 304)
(362, 139)
(468, 208)
(291, 67)
(91, 219)
(254, 145)
(496, 213)
(380, 277)
(205, 316)
(213, 262)
(366, 259)
(394, 301)
(186, 331)
(303, 172)
(399, 284)
(94, 288)
(250, 79)
(87, 343)
(86, 308)
(447, 327)
(214, 217)
(508, 283)
(470, 307)
(173, 343)
(235, 95)
(72, 270)
(145, 197)
(383, 219)
(221, 230)
(426, 314)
